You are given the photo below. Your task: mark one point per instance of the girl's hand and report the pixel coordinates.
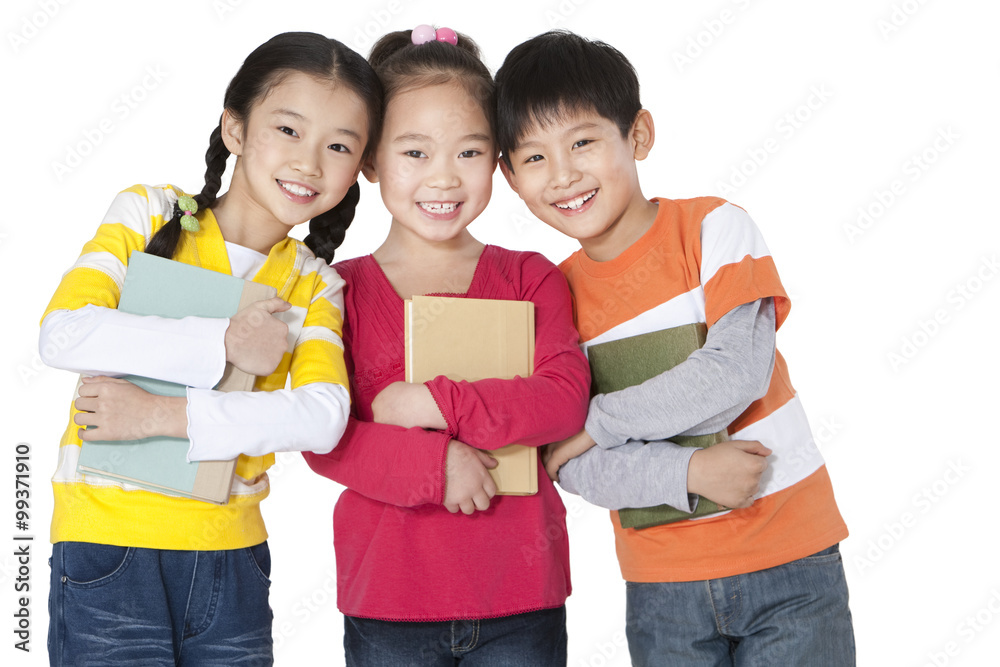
(468, 485)
(255, 340)
(122, 411)
(408, 405)
(729, 472)
(556, 454)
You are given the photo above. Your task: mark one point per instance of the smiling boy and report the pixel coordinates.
(764, 582)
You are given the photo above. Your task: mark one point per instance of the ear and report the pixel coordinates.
(509, 174)
(232, 133)
(368, 169)
(642, 134)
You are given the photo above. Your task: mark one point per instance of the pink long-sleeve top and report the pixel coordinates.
(401, 555)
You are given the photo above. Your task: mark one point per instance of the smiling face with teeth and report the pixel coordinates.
(435, 162)
(577, 174)
(298, 153)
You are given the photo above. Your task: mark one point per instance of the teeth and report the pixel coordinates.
(438, 207)
(297, 189)
(578, 202)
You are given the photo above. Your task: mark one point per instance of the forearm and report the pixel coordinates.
(223, 425)
(95, 340)
(548, 405)
(532, 411)
(704, 393)
(635, 474)
(390, 464)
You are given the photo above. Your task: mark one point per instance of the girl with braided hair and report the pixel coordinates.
(140, 577)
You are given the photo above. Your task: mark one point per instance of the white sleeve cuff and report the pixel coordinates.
(223, 425)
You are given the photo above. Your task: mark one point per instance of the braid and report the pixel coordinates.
(327, 230)
(164, 242)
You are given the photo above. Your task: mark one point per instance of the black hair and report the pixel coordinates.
(311, 54)
(402, 65)
(559, 72)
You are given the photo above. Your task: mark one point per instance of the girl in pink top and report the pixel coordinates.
(432, 567)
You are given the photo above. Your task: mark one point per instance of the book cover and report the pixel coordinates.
(157, 286)
(475, 339)
(626, 362)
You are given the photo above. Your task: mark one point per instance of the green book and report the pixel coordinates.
(626, 362)
(157, 286)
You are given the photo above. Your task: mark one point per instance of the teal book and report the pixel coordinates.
(157, 286)
(626, 362)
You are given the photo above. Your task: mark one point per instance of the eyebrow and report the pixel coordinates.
(416, 136)
(297, 116)
(572, 130)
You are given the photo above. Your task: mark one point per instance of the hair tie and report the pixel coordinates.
(425, 33)
(189, 207)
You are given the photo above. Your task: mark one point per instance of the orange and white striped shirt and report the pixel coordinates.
(700, 259)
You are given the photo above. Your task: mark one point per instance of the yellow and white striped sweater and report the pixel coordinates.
(91, 509)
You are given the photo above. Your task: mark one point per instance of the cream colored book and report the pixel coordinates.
(475, 339)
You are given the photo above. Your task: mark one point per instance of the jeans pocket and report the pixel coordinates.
(828, 555)
(260, 558)
(87, 565)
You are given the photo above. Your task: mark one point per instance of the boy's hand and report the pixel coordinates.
(468, 485)
(122, 411)
(556, 454)
(256, 340)
(728, 473)
(408, 405)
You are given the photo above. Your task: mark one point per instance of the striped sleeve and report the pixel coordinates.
(736, 265)
(98, 273)
(318, 353)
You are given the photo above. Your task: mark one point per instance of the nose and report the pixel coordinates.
(564, 172)
(307, 160)
(444, 174)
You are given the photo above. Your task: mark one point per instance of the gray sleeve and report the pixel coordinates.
(636, 474)
(701, 395)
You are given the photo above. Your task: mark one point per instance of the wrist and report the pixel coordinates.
(170, 415)
(694, 472)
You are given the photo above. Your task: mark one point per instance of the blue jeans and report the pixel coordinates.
(113, 605)
(793, 614)
(532, 639)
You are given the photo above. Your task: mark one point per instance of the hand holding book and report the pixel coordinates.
(117, 409)
(728, 473)
(255, 340)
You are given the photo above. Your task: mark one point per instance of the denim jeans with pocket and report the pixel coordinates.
(532, 639)
(111, 605)
(793, 614)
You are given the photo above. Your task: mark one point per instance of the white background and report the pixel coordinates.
(804, 113)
